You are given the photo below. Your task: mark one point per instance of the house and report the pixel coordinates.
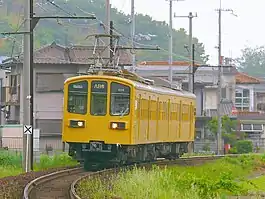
(205, 81)
(250, 93)
(53, 64)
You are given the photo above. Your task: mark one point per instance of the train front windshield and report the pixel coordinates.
(119, 99)
(78, 96)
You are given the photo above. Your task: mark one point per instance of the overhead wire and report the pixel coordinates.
(118, 32)
(138, 43)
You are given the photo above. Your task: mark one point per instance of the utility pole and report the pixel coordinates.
(26, 87)
(133, 34)
(111, 42)
(108, 25)
(219, 91)
(170, 60)
(31, 78)
(194, 68)
(190, 16)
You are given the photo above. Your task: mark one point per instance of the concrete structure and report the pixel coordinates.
(53, 65)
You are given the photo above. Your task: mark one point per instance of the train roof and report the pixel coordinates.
(138, 85)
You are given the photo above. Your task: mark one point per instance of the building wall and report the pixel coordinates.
(210, 98)
(48, 96)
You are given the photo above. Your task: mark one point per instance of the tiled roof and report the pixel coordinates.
(250, 115)
(57, 54)
(226, 109)
(179, 66)
(242, 78)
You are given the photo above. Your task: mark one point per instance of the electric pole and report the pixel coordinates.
(108, 25)
(170, 60)
(26, 87)
(133, 34)
(190, 16)
(219, 91)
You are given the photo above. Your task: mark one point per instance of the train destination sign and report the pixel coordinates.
(99, 86)
(119, 88)
(78, 86)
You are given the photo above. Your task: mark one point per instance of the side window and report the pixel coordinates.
(120, 99)
(99, 93)
(77, 97)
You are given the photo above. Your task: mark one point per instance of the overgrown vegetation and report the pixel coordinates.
(231, 135)
(11, 162)
(213, 180)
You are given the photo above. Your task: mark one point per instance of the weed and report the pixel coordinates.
(211, 180)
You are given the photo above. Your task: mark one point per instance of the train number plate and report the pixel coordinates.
(95, 146)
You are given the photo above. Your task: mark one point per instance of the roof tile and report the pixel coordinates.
(57, 54)
(243, 78)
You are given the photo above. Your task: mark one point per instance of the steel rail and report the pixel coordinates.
(45, 178)
(72, 189)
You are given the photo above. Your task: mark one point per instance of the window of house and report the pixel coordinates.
(242, 99)
(257, 127)
(247, 127)
(223, 92)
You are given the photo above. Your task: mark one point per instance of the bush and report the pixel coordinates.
(244, 146)
(233, 150)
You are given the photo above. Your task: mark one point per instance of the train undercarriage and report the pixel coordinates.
(98, 155)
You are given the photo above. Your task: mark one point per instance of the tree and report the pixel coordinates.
(67, 32)
(229, 126)
(252, 61)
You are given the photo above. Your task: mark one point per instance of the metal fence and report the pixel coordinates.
(204, 145)
(42, 145)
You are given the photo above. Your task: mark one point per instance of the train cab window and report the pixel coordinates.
(120, 99)
(77, 97)
(99, 93)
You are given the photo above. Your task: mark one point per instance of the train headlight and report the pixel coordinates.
(118, 125)
(114, 125)
(77, 124)
(80, 123)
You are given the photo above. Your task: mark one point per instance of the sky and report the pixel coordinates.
(247, 29)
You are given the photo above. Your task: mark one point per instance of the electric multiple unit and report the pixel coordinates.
(108, 119)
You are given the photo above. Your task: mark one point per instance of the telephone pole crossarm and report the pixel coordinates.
(14, 33)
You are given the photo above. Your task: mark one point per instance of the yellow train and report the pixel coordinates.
(108, 119)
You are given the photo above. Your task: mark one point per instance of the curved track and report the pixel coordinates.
(62, 184)
(55, 185)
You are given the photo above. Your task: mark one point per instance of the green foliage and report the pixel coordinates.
(61, 160)
(206, 147)
(8, 158)
(228, 125)
(244, 146)
(66, 32)
(252, 61)
(212, 180)
(11, 162)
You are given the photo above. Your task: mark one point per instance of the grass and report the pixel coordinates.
(212, 180)
(11, 163)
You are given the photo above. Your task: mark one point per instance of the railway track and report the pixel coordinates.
(53, 185)
(62, 184)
